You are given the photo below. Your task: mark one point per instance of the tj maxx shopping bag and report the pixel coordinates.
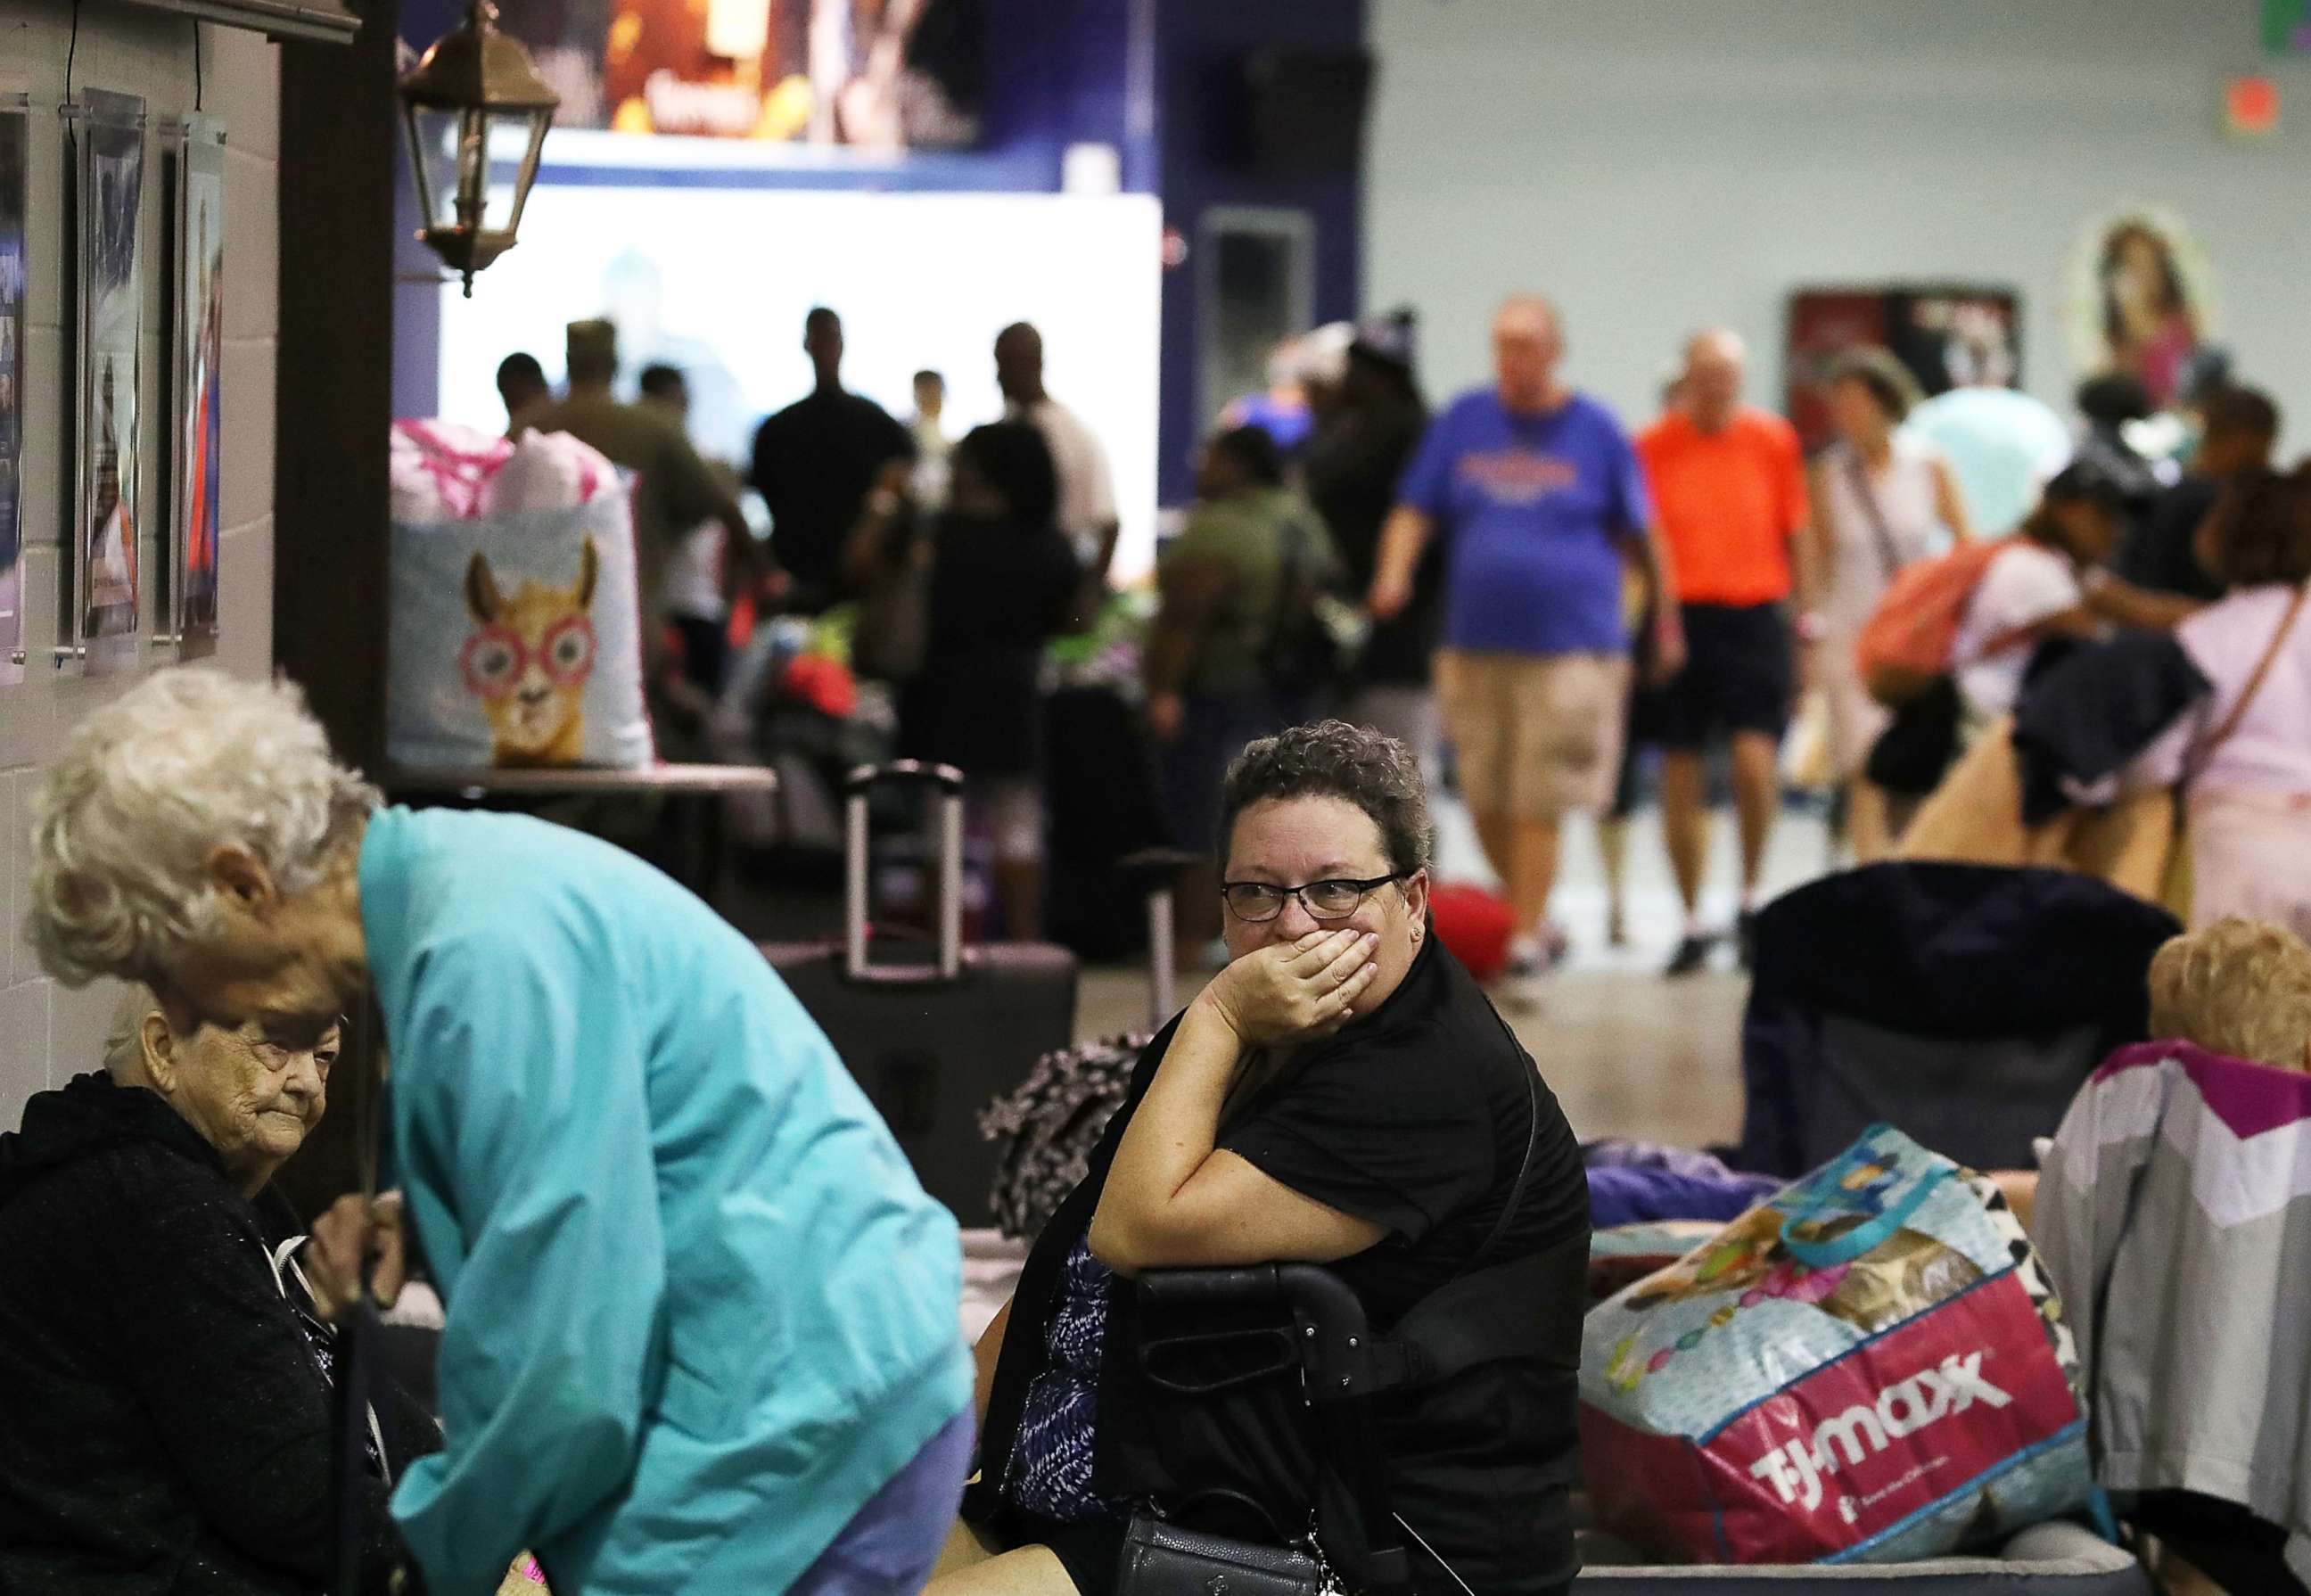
(1869, 1366)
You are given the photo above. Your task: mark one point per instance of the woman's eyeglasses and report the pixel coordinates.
(1336, 899)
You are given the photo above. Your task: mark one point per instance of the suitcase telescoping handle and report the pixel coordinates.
(945, 783)
(1157, 869)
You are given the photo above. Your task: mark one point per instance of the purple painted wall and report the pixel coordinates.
(1064, 72)
(1196, 37)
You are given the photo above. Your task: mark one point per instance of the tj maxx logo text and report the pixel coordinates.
(1863, 1431)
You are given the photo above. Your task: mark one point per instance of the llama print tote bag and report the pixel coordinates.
(516, 640)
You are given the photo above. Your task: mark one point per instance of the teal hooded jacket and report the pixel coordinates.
(698, 1309)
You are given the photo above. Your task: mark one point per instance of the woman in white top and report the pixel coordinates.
(1883, 500)
(2047, 582)
(2243, 753)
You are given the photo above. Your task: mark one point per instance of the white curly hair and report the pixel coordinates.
(148, 787)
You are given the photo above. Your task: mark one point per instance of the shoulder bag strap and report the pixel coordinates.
(283, 1259)
(1277, 621)
(1294, 566)
(1858, 476)
(1414, 1356)
(2205, 751)
(1525, 1170)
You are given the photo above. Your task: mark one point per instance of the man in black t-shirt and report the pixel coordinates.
(815, 462)
(1364, 440)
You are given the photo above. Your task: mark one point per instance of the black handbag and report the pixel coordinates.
(1313, 639)
(1163, 1559)
(1913, 754)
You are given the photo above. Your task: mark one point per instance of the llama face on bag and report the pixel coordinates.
(527, 661)
(516, 635)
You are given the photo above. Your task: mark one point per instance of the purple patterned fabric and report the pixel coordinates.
(1050, 1469)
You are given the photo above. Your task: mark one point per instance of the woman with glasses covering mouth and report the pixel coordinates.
(1341, 1094)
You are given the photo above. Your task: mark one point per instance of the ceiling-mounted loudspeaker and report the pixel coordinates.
(1287, 113)
(1308, 111)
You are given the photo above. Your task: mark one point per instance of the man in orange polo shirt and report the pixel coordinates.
(1728, 482)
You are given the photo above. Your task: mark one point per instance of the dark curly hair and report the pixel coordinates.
(2261, 530)
(1254, 452)
(2245, 411)
(1333, 759)
(1012, 459)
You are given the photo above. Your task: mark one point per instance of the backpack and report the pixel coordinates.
(1048, 1127)
(1315, 637)
(1906, 647)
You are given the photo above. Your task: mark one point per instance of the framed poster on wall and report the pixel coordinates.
(105, 171)
(1949, 335)
(881, 76)
(197, 340)
(2142, 300)
(15, 150)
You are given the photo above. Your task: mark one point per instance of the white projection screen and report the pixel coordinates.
(717, 281)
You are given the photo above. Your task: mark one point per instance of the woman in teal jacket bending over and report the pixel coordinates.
(702, 1329)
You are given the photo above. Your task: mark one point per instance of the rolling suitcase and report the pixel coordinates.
(931, 1042)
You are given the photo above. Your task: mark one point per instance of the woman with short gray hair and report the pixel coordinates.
(166, 1383)
(700, 1314)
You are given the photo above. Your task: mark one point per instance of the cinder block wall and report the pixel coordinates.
(48, 1033)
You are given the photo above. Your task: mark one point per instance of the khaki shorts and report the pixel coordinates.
(1536, 735)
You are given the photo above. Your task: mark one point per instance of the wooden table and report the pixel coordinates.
(692, 793)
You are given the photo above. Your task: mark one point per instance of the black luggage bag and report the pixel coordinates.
(1103, 807)
(932, 1043)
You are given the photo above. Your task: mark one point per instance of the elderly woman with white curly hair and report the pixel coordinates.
(701, 1327)
(166, 1383)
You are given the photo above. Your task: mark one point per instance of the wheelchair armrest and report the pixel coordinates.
(1338, 1353)
(1320, 1299)
(1253, 1286)
(1314, 1295)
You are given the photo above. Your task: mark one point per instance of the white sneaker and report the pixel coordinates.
(1537, 953)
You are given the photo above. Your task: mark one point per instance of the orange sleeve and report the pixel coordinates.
(1652, 446)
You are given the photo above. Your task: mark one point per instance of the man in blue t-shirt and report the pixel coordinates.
(1538, 492)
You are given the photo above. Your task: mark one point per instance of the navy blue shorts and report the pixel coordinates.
(892, 1545)
(1738, 676)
